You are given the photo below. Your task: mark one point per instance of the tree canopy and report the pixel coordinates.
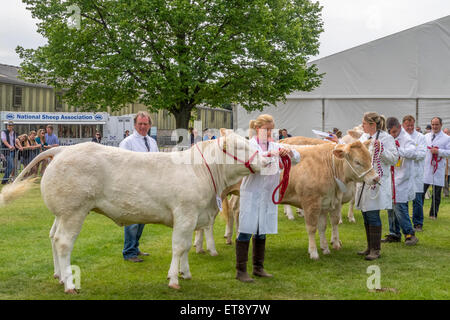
(174, 54)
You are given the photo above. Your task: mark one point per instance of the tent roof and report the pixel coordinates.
(409, 64)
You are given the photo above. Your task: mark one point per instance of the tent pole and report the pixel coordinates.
(323, 114)
(417, 112)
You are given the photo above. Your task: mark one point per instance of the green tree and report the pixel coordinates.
(174, 54)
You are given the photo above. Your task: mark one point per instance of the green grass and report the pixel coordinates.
(26, 263)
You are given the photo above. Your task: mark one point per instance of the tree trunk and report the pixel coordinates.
(182, 117)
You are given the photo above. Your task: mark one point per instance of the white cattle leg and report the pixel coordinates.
(210, 243)
(311, 217)
(57, 272)
(68, 228)
(228, 214)
(322, 229)
(351, 214)
(334, 218)
(229, 229)
(288, 212)
(198, 242)
(181, 243)
(340, 218)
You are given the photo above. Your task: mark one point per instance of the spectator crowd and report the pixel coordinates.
(20, 149)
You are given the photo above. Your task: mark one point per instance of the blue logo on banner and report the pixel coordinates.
(10, 116)
(98, 117)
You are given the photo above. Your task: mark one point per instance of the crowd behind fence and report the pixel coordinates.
(12, 162)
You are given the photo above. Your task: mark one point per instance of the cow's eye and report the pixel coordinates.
(357, 163)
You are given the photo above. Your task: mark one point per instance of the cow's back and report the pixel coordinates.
(128, 187)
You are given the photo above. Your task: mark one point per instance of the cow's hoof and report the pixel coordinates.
(213, 253)
(337, 245)
(56, 276)
(352, 220)
(201, 251)
(229, 242)
(326, 251)
(71, 291)
(314, 256)
(290, 218)
(174, 286)
(187, 276)
(340, 221)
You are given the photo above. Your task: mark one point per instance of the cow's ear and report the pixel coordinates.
(339, 152)
(367, 143)
(354, 134)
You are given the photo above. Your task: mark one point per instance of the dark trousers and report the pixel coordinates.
(435, 199)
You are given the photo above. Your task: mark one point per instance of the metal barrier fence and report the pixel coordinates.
(12, 162)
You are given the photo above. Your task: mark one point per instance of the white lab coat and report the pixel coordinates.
(258, 214)
(419, 161)
(403, 169)
(442, 141)
(379, 198)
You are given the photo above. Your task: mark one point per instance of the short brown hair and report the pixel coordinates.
(50, 126)
(143, 114)
(408, 118)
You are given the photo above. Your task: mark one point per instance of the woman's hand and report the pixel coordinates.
(333, 138)
(284, 152)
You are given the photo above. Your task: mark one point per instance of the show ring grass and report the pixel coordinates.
(26, 263)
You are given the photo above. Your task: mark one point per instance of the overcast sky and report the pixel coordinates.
(347, 23)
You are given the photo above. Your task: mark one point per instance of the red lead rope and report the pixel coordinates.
(393, 175)
(284, 181)
(434, 160)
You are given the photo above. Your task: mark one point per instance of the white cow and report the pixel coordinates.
(175, 189)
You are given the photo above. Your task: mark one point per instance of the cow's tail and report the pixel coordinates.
(23, 182)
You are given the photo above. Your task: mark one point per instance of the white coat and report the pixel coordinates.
(403, 169)
(379, 198)
(258, 213)
(442, 141)
(419, 161)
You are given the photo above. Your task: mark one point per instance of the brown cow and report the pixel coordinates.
(313, 187)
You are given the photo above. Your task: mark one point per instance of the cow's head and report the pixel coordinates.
(357, 162)
(238, 150)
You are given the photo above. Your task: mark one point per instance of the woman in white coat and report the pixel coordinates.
(258, 215)
(373, 199)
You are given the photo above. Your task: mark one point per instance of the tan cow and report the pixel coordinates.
(349, 196)
(133, 187)
(313, 187)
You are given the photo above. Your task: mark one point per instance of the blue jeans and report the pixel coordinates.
(131, 244)
(417, 215)
(247, 236)
(9, 165)
(372, 218)
(399, 219)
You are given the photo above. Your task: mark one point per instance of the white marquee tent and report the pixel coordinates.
(404, 73)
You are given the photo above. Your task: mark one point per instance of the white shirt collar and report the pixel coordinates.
(137, 134)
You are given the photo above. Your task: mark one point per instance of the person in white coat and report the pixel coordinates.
(438, 148)
(258, 215)
(370, 200)
(402, 185)
(408, 125)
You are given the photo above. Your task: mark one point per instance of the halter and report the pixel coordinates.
(246, 163)
(359, 175)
